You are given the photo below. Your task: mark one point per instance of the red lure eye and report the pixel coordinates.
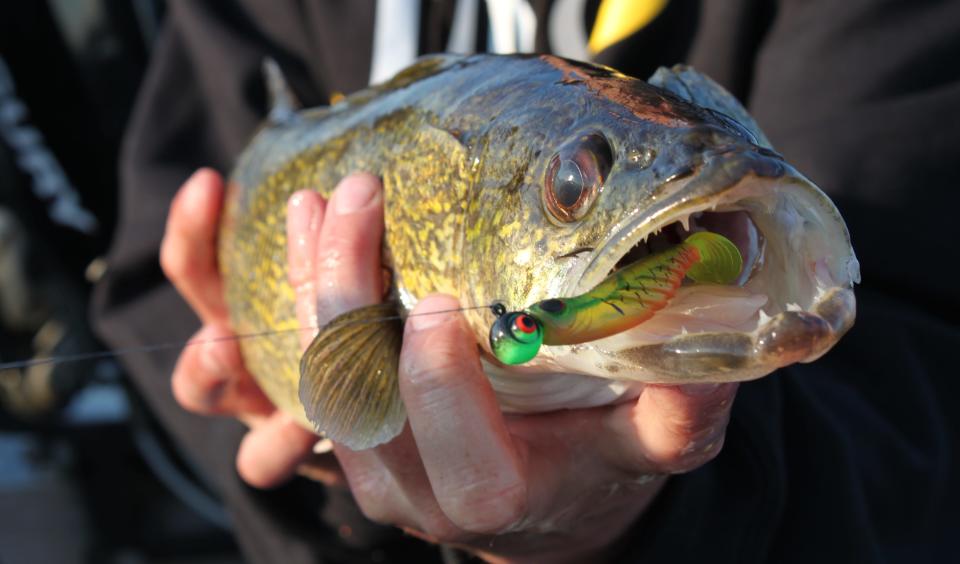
(525, 324)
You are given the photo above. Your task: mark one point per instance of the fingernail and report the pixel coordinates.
(200, 172)
(196, 197)
(699, 389)
(323, 446)
(354, 195)
(435, 312)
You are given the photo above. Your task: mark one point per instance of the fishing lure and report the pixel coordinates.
(623, 300)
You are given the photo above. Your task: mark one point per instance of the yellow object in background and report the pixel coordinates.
(618, 19)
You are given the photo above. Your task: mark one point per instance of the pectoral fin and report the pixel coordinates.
(348, 378)
(696, 87)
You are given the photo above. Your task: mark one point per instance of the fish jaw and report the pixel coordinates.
(793, 303)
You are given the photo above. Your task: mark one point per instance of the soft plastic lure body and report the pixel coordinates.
(623, 300)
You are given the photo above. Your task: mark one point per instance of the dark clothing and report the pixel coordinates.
(847, 459)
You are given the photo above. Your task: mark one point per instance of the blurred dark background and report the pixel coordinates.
(85, 474)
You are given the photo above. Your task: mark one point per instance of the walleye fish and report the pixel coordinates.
(518, 179)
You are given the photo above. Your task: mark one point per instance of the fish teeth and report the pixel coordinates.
(695, 221)
(323, 446)
(685, 222)
(763, 318)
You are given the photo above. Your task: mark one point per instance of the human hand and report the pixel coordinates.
(210, 378)
(561, 486)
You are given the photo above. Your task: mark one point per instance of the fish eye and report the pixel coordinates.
(575, 176)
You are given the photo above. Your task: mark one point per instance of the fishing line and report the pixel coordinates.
(100, 355)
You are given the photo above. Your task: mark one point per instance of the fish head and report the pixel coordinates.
(634, 171)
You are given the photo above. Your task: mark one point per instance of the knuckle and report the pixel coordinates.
(339, 251)
(299, 275)
(692, 454)
(373, 510)
(344, 280)
(672, 437)
(684, 422)
(439, 527)
(372, 498)
(480, 509)
(200, 381)
(189, 393)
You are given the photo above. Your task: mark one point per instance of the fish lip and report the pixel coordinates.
(719, 173)
(784, 339)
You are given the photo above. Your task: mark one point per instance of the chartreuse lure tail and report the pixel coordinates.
(623, 300)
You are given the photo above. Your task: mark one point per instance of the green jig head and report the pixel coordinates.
(515, 337)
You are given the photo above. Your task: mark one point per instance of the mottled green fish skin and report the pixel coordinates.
(462, 145)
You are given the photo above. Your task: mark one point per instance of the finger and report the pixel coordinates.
(188, 253)
(210, 377)
(271, 453)
(305, 212)
(348, 252)
(390, 486)
(374, 488)
(670, 429)
(473, 465)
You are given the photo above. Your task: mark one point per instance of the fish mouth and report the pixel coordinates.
(791, 303)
